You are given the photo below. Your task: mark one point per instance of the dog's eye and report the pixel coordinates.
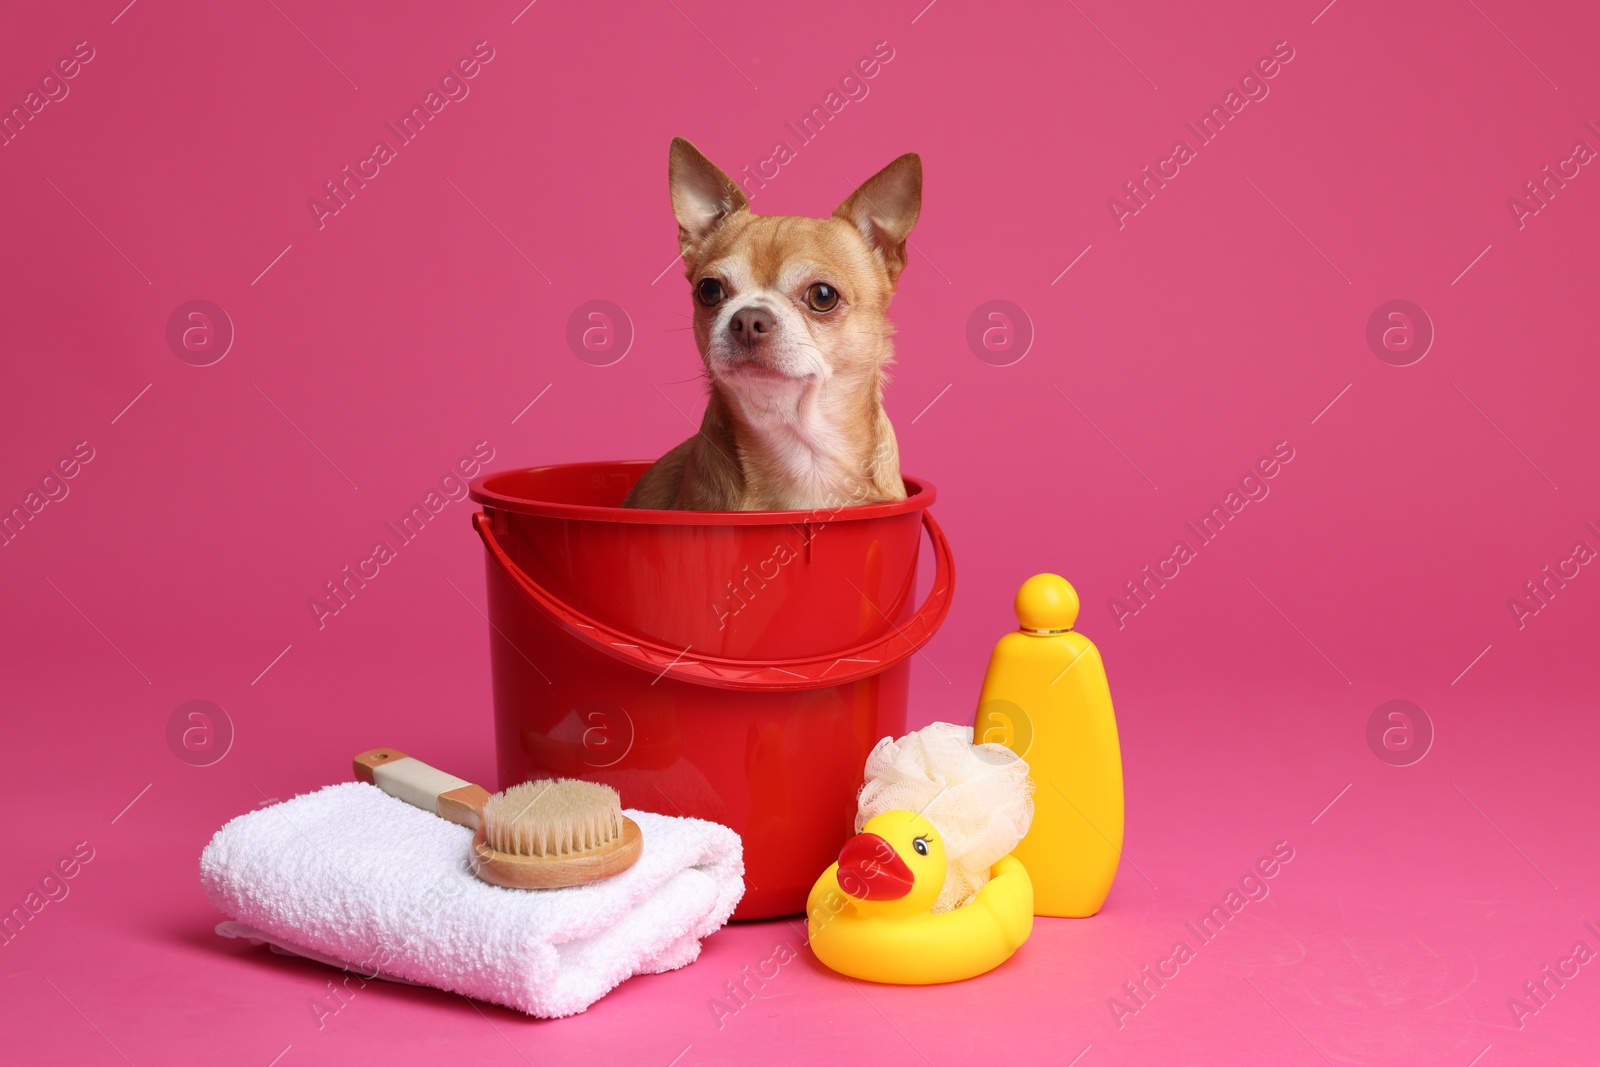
(709, 292)
(822, 297)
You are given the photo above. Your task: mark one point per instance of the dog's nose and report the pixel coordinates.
(751, 325)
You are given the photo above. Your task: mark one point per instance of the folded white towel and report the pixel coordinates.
(353, 874)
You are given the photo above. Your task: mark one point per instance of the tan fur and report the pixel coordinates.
(795, 418)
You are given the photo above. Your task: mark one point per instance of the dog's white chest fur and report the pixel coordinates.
(800, 430)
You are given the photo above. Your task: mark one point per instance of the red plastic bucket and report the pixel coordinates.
(733, 666)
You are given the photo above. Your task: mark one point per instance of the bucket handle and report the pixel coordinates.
(719, 672)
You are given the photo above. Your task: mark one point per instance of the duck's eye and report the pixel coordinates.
(921, 845)
(822, 297)
(709, 292)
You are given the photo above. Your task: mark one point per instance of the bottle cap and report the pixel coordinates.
(1047, 604)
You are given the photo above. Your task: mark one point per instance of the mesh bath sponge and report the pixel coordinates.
(979, 798)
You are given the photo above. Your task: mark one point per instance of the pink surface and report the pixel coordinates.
(1228, 314)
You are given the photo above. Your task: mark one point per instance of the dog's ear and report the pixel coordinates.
(885, 208)
(702, 196)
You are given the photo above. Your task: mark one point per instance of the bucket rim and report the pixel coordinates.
(920, 495)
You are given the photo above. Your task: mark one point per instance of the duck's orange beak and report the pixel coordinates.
(870, 869)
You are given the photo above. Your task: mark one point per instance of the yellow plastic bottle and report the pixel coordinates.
(1046, 698)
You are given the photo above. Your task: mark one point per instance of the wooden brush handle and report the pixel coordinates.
(422, 786)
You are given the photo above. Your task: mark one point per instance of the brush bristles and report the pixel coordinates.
(560, 817)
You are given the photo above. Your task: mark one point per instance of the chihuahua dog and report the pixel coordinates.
(791, 318)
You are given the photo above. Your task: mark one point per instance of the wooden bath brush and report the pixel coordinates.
(537, 835)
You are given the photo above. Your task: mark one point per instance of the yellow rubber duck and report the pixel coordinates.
(869, 916)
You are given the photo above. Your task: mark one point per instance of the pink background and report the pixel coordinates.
(1224, 317)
